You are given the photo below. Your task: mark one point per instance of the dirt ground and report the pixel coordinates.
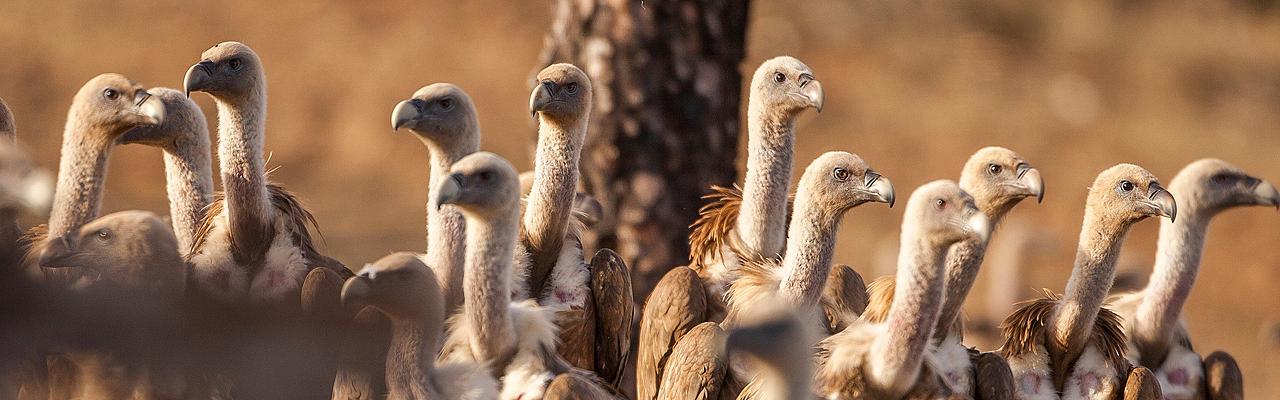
(1075, 86)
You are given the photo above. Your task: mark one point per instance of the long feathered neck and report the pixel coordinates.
(410, 358)
(808, 256)
(964, 259)
(895, 358)
(241, 126)
(1177, 264)
(1091, 278)
(189, 182)
(490, 247)
(555, 181)
(761, 222)
(446, 229)
(82, 173)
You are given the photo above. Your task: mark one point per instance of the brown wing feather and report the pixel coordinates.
(993, 380)
(1027, 327)
(288, 205)
(716, 220)
(697, 367)
(1222, 377)
(879, 299)
(614, 313)
(677, 304)
(1141, 384)
(844, 299)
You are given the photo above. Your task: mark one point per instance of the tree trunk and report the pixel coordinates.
(665, 121)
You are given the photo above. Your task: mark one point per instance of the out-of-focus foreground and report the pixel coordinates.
(1074, 86)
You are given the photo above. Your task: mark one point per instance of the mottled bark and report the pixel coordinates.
(665, 121)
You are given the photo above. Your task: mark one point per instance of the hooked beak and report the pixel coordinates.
(149, 107)
(881, 187)
(1163, 201)
(1030, 179)
(355, 291)
(979, 226)
(197, 77)
(1267, 194)
(59, 253)
(811, 90)
(405, 112)
(541, 97)
(450, 191)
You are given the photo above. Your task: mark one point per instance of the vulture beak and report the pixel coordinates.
(450, 191)
(1267, 194)
(198, 77)
(881, 187)
(149, 107)
(404, 113)
(978, 225)
(811, 91)
(541, 97)
(59, 253)
(355, 291)
(35, 192)
(1030, 179)
(1163, 201)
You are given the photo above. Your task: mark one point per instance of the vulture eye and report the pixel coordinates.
(486, 176)
(103, 235)
(779, 77)
(446, 104)
(234, 64)
(840, 174)
(571, 88)
(940, 204)
(1219, 178)
(994, 169)
(1126, 186)
(110, 94)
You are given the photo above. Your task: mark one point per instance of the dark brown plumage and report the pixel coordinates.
(1027, 328)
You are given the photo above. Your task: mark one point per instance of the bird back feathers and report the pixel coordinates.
(1028, 326)
(713, 229)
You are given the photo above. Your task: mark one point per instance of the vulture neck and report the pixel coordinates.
(241, 122)
(189, 183)
(761, 221)
(808, 255)
(895, 358)
(964, 259)
(1071, 325)
(446, 229)
(1177, 263)
(410, 357)
(491, 241)
(555, 182)
(81, 174)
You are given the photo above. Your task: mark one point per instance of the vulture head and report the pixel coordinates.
(481, 184)
(1212, 185)
(946, 214)
(838, 181)
(128, 249)
(439, 112)
(228, 70)
(1128, 193)
(999, 178)
(23, 186)
(182, 119)
(563, 93)
(113, 105)
(399, 285)
(787, 86)
(774, 334)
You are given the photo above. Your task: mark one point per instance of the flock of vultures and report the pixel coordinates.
(229, 298)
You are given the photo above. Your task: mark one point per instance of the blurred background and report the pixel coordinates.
(913, 87)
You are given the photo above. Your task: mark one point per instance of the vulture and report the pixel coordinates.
(776, 340)
(1157, 338)
(184, 138)
(592, 301)
(407, 292)
(131, 305)
(253, 244)
(998, 179)
(891, 359)
(737, 224)
(1069, 346)
(23, 188)
(443, 117)
(102, 112)
(515, 339)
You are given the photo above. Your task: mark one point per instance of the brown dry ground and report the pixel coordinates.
(1075, 86)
